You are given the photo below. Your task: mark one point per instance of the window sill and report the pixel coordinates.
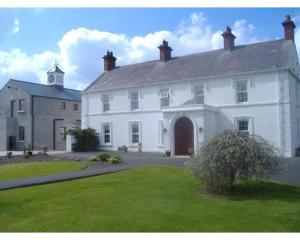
(21, 111)
(20, 141)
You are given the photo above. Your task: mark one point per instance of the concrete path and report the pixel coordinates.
(129, 160)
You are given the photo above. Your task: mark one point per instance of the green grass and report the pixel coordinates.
(33, 169)
(159, 199)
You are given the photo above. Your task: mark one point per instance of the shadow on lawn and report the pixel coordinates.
(260, 190)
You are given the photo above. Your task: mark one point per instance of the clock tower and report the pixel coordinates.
(55, 76)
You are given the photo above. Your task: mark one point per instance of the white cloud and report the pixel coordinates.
(16, 26)
(296, 19)
(81, 50)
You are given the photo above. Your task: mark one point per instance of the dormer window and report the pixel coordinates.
(106, 102)
(164, 97)
(241, 91)
(199, 94)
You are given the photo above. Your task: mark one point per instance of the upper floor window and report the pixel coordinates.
(164, 97)
(22, 105)
(106, 133)
(135, 133)
(241, 91)
(134, 100)
(62, 105)
(75, 107)
(199, 94)
(106, 102)
(21, 133)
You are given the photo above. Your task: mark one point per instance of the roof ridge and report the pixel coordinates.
(41, 84)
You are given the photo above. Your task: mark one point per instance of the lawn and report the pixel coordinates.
(152, 199)
(33, 169)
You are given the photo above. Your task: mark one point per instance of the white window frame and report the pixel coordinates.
(131, 143)
(239, 91)
(107, 103)
(197, 95)
(109, 124)
(160, 134)
(164, 97)
(134, 101)
(250, 124)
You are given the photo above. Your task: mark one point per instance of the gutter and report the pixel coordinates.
(54, 126)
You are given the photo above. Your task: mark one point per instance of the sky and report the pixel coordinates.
(32, 39)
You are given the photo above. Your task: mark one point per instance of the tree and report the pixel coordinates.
(85, 140)
(233, 156)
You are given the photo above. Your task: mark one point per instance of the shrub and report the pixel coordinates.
(86, 140)
(234, 156)
(114, 159)
(26, 155)
(93, 159)
(9, 154)
(102, 156)
(123, 148)
(44, 149)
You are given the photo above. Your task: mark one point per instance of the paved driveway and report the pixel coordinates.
(290, 173)
(129, 160)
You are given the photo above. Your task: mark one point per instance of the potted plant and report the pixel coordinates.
(167, 153)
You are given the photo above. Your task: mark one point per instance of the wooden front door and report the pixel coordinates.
(184, 136)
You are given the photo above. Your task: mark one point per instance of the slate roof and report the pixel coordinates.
(41, 90)
(243, 58)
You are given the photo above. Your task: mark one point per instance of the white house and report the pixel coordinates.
(177, 103)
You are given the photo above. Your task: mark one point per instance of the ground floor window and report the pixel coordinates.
(21, 133)
(243, 125)
(135, 132)
(106, 133)
(63, 133)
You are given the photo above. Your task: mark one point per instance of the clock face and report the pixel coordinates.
(51, 79)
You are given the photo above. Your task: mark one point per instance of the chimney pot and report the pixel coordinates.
(228, 38)
(109, 61)
(165, 51)
(289, 27)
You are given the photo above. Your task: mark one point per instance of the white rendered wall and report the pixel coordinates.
(262, 107)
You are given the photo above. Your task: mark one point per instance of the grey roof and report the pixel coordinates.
(243, 58)
(55, 68)
(41, 90)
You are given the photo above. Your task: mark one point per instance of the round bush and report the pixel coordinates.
(103, 156)
(114, 159)
(234, 156)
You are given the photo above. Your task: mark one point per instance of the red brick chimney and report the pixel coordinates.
(289, 27)
(165, 51)
(109, 61)
(228, 38)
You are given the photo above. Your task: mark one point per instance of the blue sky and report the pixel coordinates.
(31, 39)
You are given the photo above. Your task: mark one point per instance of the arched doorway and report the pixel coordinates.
(184, 136)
